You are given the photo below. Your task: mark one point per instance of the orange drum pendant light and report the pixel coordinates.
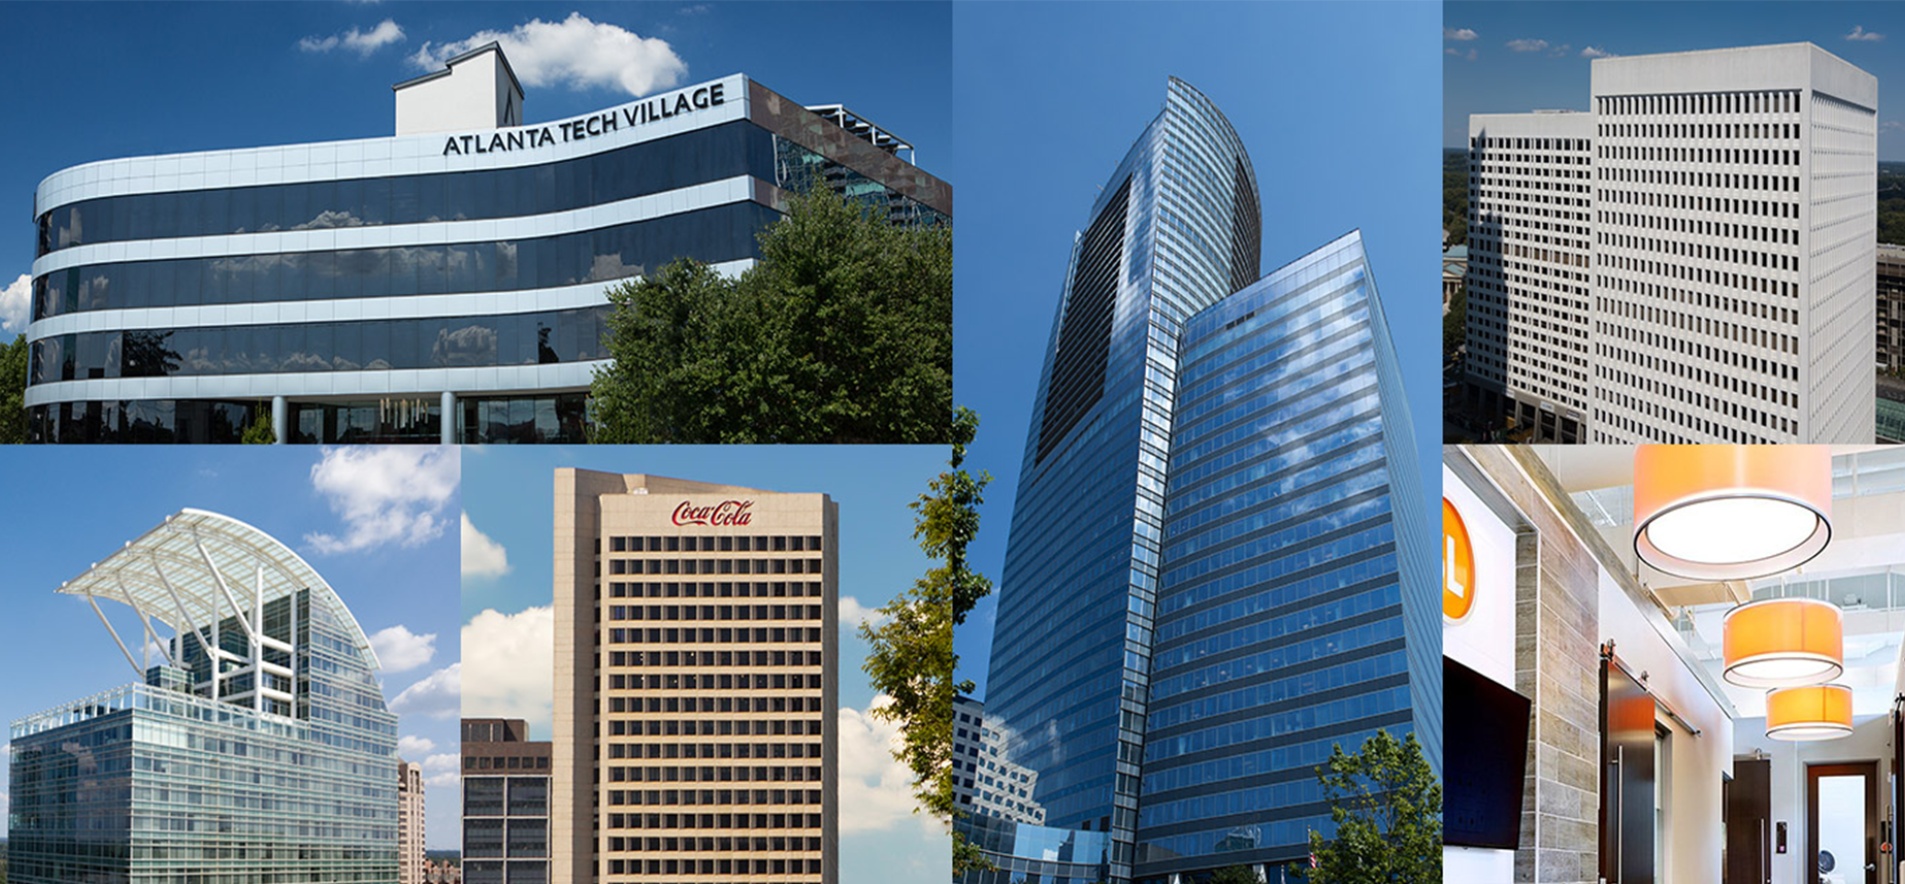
(1814, 712)
(1776, 643)
(1731, 512)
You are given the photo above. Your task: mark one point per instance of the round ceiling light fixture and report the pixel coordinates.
(1777, 643)
(1813, 712)
(1731, 512)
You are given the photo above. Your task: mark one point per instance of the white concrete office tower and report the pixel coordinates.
(1736, 238)
(984, 780)
(410, 858)
(1731, 287)
(1529, 257)
(697, 683)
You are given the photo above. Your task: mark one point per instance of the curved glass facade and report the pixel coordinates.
(1068, 694)
(280, 771)
(724, 151)
(320, 280)
(1294, 603)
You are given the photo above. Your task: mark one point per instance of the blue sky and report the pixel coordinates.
(1334, 102)
(378, 524)
(508, 498)
(1536, 55)
(171, 78)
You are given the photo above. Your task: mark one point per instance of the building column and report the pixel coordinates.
(278, 412)
(449, 418)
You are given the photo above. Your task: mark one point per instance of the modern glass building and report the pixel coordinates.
(1175, 229)
(447, 284)
(1207, 493)
(1294, 605)
(257, 751)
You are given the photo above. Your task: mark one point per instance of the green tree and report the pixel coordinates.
(842, 332)
(1234, 875)
(912, 660)
(13, 358)
(1387, 807)
(260, 432)
(1455, 324)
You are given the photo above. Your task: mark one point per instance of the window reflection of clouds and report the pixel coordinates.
(714, 235)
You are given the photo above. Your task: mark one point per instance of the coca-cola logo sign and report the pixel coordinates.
(727, 512)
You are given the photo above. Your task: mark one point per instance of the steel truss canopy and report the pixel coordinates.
(198, 568)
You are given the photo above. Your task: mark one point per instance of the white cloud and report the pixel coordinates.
(446, 780)
(1527, 45)
(852, 614)
(575, 51)
(361, 42)
(436, 696)
(1891, 125)
(482, 557)
(443, 770)
(1458, 34)
(1595, 52)
(412, 746)
(1860, 34)
(876, 791)
(14, 300)
(388, 494)
(400, 650)
(1470, 55)
(512, 661)
(442, 761)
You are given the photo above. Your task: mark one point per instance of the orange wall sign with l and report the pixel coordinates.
(1458, 566)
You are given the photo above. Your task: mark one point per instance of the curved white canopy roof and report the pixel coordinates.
(198, 567)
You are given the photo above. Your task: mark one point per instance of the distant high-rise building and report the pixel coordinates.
(983, 780)
(257, 749)
(1731, 235)
(505, 803)
(1530, 189)
(1216, 493)
(697, 651)
(410, 828)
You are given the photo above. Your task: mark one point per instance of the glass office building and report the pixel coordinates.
(1209, 494)
(1175, 230)
(447, 284)
(1294, 605)
(257, 751)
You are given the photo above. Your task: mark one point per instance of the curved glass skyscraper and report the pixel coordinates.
(1175, 230)
(257, 751)
(1215, 554)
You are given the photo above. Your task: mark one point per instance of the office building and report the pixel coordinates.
(1529, 270)
(505, 803)
(697, 682)
(445, 284)
(256, 750)
(1891, 307)
(984, 780)
(1731, 232)
(1294, 611)
(1206, 494)
(410, 827)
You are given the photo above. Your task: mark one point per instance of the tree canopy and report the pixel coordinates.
(842, 332)
(13, 359)
(912, 660)
(1387, 807)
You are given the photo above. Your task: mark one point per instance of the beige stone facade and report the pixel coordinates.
(410, 858)
(697, 646)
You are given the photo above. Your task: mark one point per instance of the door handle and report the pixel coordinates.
(1620, 813)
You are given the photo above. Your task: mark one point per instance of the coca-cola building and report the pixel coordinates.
(446, 284)
(697, 650)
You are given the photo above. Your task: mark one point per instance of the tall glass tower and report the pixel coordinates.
(257, 751)
(1216, 553)
(1295, 609)
(1176, 229)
